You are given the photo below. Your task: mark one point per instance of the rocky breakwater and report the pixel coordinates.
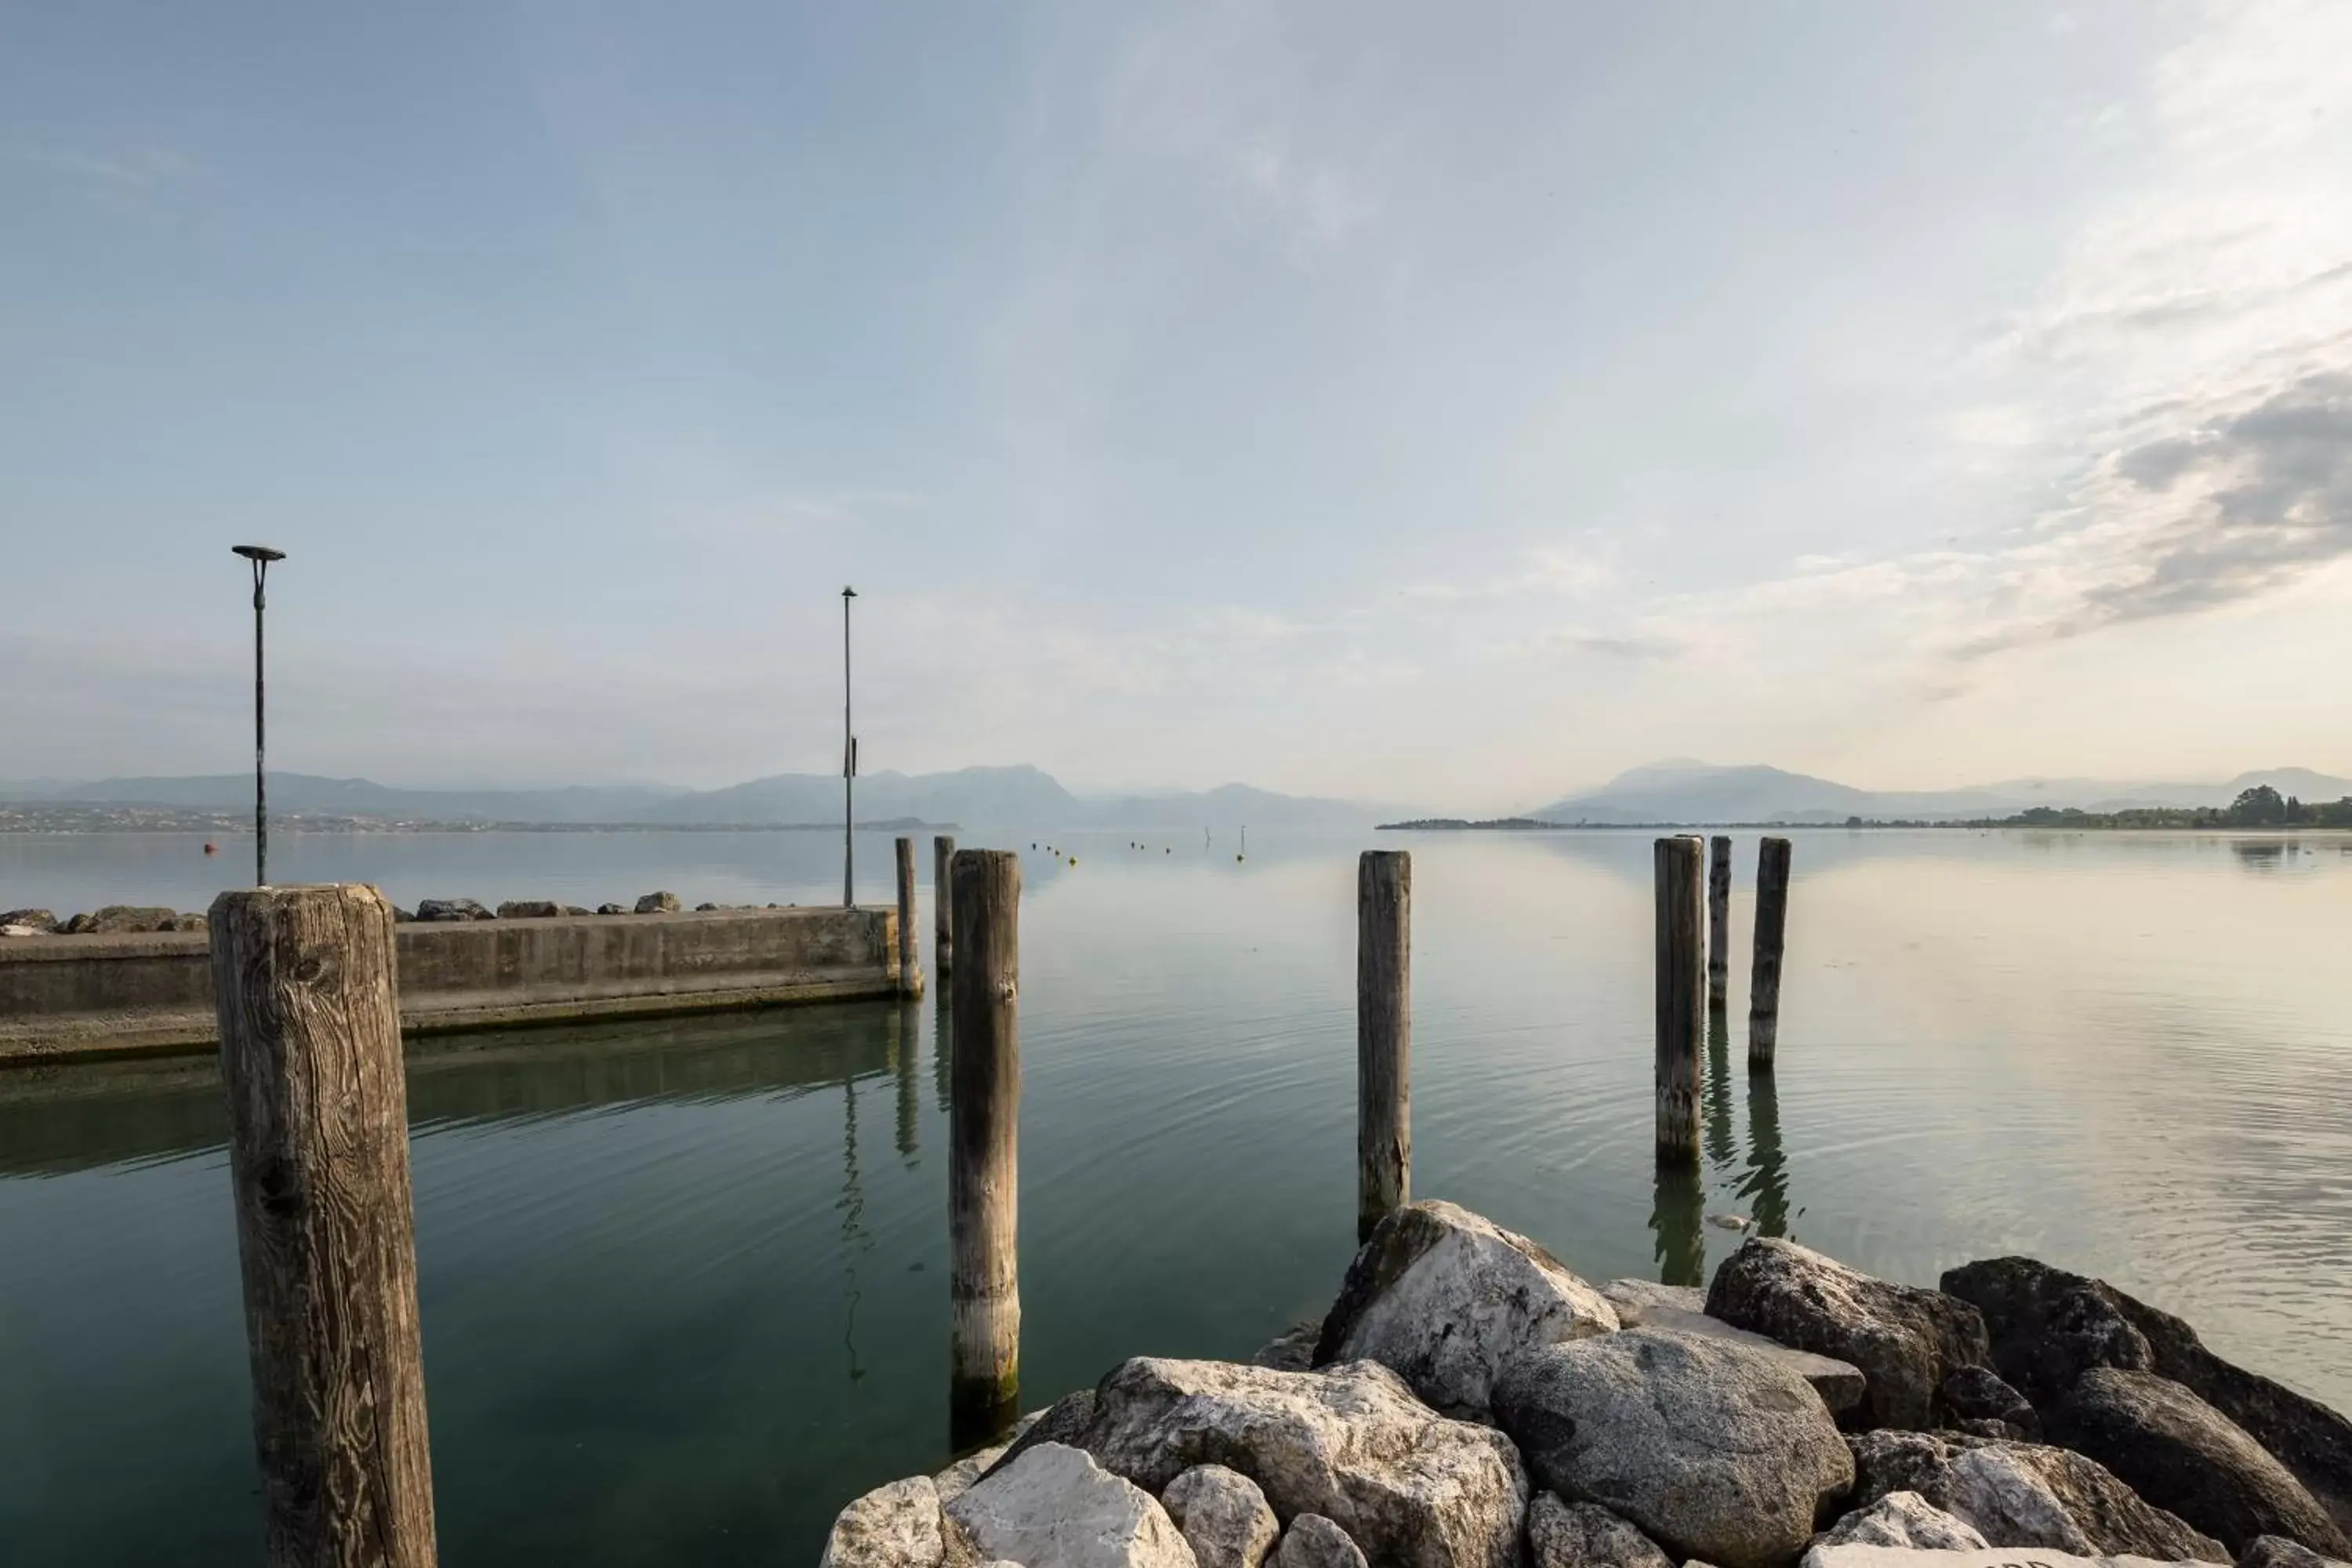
(1469, 1402)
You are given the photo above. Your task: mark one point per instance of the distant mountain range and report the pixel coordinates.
(1007, 796)
(1692, 792)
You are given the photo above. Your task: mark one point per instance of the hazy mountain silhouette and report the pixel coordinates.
(1683, 791)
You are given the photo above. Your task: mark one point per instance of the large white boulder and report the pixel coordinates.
(1443, 1297)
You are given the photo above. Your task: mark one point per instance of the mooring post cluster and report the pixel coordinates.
(1681, 1026)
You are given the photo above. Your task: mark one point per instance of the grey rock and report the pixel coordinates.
(896, 1526)
(529, 910)
(2181, 1454)
(577, 909)
(132, 918)
(1906, 1341)
(2048, 1326)
(1293, 1350)
(1055, 1507)
(1314, 1541)
(78, 925)
(1713, 1449)
(1907, 1520)
(2276, 1551)
(35, 922)
(611, 910)
(1443, 1297)
(1586, 1535)
(1223, 1516)
(1858, 1555)
(1352, 1443)
(451, 910)
(664, 903)
(1640, 1303)
(705, 909)
(403, 917)
(2024, 1494)
(1978, 1394)
(188, 920)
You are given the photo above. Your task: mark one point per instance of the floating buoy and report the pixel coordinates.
(212, 848)
(1073, 859)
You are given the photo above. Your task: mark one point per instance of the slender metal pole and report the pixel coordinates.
(848, 769)
(261, 742)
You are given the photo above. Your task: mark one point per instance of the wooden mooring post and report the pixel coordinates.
(1680, 1019)
(984, 1148)
(1718, 921)
(942, 904)
(1771, 934)
(1383, 1036)
(303, 980)
(910, 962)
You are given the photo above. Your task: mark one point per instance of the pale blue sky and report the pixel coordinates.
(1447, 404)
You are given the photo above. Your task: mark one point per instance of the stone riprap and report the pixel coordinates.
(1672, 1437)
(2049, 1326)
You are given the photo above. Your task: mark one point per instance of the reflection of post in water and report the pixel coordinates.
(1766, 1185)
(854, 1239)
(1719, 1151)
(906, 1043)
(942, 1056)
(1675, 1218)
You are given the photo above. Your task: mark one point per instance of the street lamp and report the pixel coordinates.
(261, 556)
(848, 769)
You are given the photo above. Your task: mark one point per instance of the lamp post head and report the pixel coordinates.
(259, 554)
(849, 593)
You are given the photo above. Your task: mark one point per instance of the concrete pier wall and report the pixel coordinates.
(64, 997)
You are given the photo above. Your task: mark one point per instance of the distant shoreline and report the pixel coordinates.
(97, 820)
(2068, 821)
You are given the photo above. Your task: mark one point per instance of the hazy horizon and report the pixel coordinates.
(1362, 402)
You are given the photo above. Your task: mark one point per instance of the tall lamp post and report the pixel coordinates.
(261, 556)
(848, 769)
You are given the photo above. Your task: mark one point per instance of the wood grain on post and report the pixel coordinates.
(1383, 1036)
(910, 962)
(1680, 1018)
(984, 1147)
(942, 904)
(310, 1025)
(1718, 921)
(1771, 934)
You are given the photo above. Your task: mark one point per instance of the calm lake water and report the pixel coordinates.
(684, 1284)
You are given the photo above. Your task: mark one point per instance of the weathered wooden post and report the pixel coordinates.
(1771, 932)
(1383, 1036)
(984, 1147)
(1718, 921)
(942, 904)
(1679, 1017)
(317, 1111)
(910, 963)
